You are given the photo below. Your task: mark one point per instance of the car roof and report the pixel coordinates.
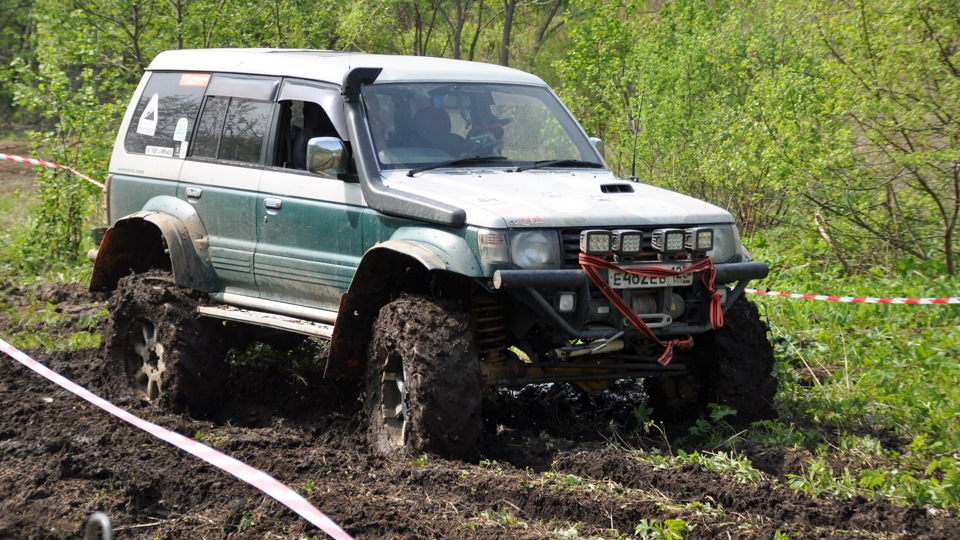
(330, 66)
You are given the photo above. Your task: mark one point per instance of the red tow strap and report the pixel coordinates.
(592, 264)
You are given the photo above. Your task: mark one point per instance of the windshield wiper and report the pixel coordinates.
(459, 161)
(558, 163)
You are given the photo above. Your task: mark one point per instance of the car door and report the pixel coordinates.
(222, 172)
(309, 242)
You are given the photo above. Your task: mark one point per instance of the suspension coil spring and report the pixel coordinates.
(490, 327)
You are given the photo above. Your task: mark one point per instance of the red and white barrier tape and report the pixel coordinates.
(860, 300)
(255, 477)
(49, 165)
(825, 298)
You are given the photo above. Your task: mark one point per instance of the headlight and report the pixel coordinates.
(726, 243)
(526, 249)
(535, 249)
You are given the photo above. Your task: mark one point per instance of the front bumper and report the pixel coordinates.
(594, 318)
(560, 279)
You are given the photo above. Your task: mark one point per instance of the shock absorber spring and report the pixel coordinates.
(490, 327)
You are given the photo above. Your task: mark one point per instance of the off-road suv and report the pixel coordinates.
(447, 225)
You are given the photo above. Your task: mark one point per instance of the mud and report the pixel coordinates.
(555, 464)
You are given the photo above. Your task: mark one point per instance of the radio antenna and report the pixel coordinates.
(636, 136)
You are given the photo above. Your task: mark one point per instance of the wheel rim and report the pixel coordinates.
(393, 385)
(146, 366)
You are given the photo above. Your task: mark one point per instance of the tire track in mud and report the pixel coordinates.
(61, 460)
(547, 471)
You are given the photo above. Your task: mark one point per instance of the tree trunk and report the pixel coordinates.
(509, 7)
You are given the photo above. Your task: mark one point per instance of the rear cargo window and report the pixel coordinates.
(163, 119)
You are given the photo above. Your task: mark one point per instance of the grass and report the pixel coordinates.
(29, 321)
(867, 392)
(869, 389)
(33, 323)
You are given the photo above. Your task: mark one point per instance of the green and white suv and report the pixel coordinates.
(448, 225)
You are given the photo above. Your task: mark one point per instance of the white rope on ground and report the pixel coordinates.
(255, 477)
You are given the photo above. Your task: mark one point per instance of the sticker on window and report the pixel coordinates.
(194, 79)
(180, 134)
(148, 119)
(162, 151)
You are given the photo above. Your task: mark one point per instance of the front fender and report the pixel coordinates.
(408, 262)
(450, 249)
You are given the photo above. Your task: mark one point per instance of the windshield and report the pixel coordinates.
(419, 124)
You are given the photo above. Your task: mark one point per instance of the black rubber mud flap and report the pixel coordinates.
(351, 334)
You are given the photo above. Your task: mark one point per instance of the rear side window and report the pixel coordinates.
(163, 118)
(211, 126)
(233, 129)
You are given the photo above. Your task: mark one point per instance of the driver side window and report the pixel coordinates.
(300, 121)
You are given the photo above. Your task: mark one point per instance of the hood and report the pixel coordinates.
(538, 198)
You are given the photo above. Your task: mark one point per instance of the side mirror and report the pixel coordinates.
(327, 156)
(598, 144)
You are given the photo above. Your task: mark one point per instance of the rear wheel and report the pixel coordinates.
(732, 366)
(424, 387)
(164, 350)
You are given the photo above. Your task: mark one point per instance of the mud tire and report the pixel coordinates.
(424, 387)
(732, 366)
(165, 352)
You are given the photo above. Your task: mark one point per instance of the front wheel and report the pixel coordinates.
(424, 386)
(731, 366)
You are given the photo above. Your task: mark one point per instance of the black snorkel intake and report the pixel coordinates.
(378, 195)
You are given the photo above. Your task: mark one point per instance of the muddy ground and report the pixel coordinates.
(555, 464)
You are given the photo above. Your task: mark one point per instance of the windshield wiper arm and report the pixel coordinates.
(558, 163)
(459, 161)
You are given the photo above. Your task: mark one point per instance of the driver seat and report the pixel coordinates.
(433, 126)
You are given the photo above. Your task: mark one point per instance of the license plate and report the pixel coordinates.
(622, 280)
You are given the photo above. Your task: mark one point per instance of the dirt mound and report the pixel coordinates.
(556, 463)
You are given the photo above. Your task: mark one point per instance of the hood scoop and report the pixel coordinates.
(616, 188)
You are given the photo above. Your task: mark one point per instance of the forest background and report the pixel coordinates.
(830, 129)
(836, 119)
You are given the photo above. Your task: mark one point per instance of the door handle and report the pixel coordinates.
(272, 204)
(194, 192)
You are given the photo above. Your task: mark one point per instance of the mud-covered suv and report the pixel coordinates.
(446, 225)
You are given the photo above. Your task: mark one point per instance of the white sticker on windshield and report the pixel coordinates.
(180, 134)
(148, 120)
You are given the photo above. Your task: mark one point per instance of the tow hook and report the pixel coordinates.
(600, 346)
